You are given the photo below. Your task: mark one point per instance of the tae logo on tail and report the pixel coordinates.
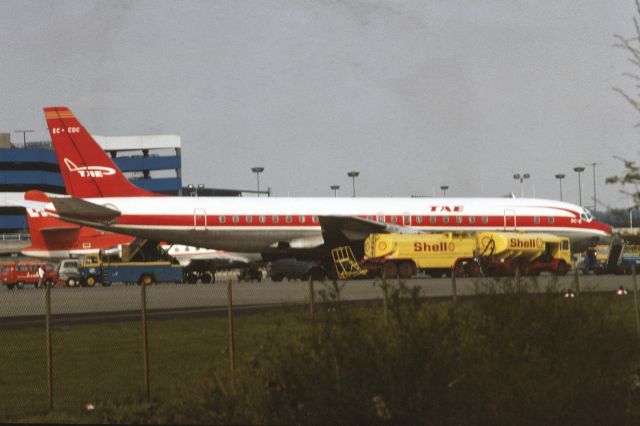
(89, 171)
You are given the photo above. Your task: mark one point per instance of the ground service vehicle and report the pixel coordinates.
(18, 274)
(616, 258)
(484, 253)
(140, 262)
(67, 271)
(295, 269)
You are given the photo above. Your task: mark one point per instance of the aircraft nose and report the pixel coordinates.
(603, 227)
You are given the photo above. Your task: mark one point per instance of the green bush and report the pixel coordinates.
(513, 358)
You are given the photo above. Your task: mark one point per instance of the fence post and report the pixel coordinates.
(454, 287)
(48, 327)
(312, 297)
(635, 297)
(232, 343)
(576, 279)
(385, 292)
(145, 340)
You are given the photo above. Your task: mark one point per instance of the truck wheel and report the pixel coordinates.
(277, 277)
(406, 269)
(10, 286)
(105, 284)
(71, 282)
(192, 277)
(20, 285)
(206, 278)
(146, 279)
(562, 268)
(90, 281)
(389, 270)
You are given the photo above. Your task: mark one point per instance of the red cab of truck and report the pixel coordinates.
(18, 274)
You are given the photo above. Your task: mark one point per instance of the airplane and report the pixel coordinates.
(106, 200)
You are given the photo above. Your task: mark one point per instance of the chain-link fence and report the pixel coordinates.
(129, 342)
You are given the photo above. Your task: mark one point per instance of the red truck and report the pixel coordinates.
(17, 274)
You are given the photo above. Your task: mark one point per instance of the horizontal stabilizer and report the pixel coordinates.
(81, 210)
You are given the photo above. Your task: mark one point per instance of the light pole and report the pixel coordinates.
(595, 202)
(560, 176)
(257, 171)
(444, 190)
(24, 135)
(335, 189)
(521, 177)
(353, 175)
(579, 170)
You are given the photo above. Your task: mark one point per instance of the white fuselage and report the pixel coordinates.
(258, 225)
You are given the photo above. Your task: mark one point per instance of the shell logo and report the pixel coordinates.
(539, 242)
(382, 245)
(367, 245)
(452, 246)
(485, 241)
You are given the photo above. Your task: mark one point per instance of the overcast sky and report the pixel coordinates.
(413, 94)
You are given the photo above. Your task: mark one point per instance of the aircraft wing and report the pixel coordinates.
(338, 228)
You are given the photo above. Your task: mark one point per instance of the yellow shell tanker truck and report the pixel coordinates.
(484, 253)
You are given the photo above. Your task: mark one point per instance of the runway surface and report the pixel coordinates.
(120, 301)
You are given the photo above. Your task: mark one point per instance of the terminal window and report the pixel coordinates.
(263, 219)
(249, 219)
(314, 219)
(289, 219)
(301, 218)
(222, 219)
(472, 219)
(275, 219)
(485, 219)
(536, 219)
(550, 219)
(418, 219)
(236, 219)
(445, 219)
(432, 219)
(459, 219)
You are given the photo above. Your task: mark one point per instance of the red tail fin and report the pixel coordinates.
(40, 222)
(86, 169)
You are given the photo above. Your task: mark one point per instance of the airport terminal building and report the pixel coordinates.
(152, 162)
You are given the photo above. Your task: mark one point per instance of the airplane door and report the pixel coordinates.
(406, 219)
(199, 220)
(509, 220)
